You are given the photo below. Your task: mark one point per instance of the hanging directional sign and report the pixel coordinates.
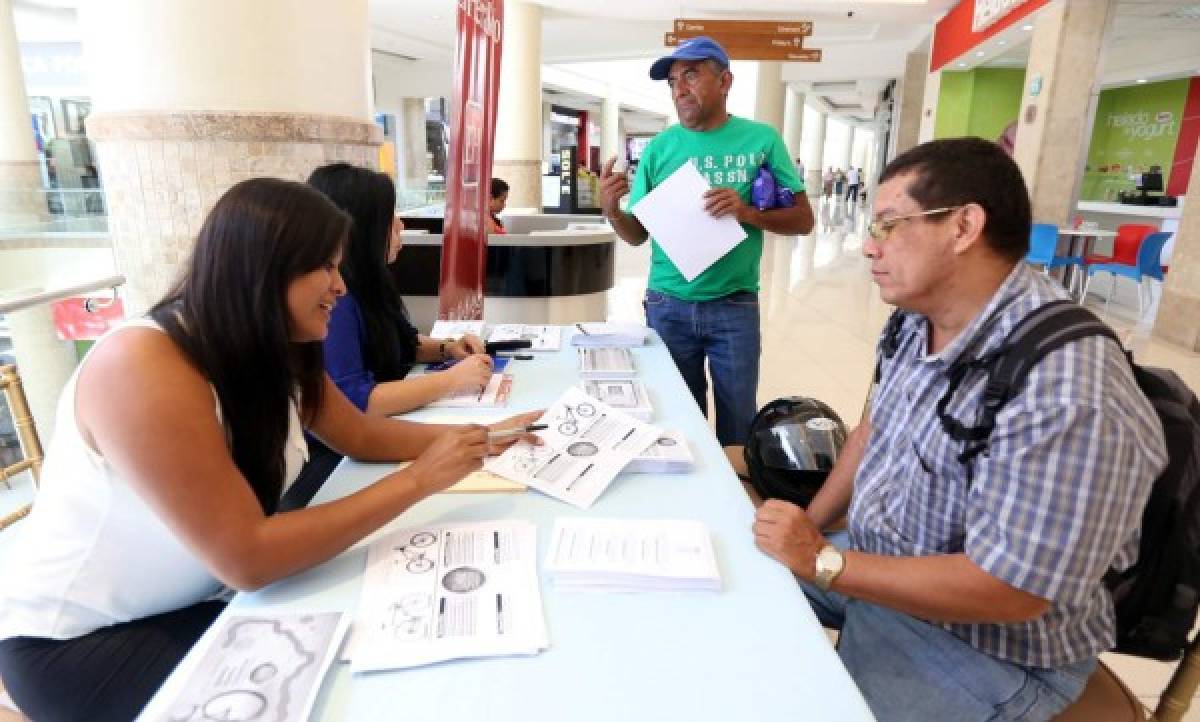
(687, 27)
(749, 42)
(802, 55)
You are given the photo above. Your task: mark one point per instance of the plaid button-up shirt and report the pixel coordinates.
(1050, 507)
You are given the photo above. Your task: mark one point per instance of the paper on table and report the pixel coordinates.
(262, 666)
(477, 481)
(586, 445)
(674, 215)
(632, 555)
(455, 329)
(494, 394)
(447, 592)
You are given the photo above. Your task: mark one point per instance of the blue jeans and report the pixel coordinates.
(725, 331)
(908, 669)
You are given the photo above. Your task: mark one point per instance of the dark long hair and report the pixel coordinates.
(370, 199)
(229, 315)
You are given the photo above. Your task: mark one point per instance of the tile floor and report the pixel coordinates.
(821, 316)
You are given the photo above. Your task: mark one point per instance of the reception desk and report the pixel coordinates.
(547, 269)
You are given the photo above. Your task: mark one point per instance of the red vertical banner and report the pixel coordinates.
(469, 167)
(1186, 146)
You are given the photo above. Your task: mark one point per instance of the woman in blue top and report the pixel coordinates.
(371, 344)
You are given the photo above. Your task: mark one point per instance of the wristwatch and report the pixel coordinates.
(830, 564)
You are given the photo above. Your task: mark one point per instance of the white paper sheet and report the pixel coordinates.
(447, 592)
(493, 395)
(586, 445)
(543, 338)
(674, 215)
(261, 666)
(628, 395)
(632, 555)
(455, 329)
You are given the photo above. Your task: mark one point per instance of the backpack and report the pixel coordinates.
(1155, 599)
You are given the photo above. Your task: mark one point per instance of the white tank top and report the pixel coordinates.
(92, 553)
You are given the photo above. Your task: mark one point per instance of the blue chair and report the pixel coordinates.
(1147, 264)
(1043, 249)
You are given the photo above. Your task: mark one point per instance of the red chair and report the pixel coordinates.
(1125, 245)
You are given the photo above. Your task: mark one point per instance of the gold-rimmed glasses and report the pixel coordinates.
(881, 229)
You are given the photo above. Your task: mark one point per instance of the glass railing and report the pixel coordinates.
(53, 210)
(420, 201)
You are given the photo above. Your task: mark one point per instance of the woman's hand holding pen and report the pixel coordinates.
(473, 372)
(465, 346)
(518, 428)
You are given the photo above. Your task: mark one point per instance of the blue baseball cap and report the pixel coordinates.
(700, 47)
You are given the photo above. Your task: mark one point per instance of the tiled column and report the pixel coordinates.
(411, 148)
(1055, 125)
(176, 123)
(21, 203)
(610, 128)
(1178, 319)
(768, 97)
(912, 97)
(518, 149)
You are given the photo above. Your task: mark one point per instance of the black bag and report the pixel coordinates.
(1155, 599)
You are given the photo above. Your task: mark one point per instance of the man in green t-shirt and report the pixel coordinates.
(715, 315)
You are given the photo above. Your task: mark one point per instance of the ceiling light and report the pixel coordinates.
(1002, 42)
(1027, 26)
(1141, 80)
(962, 65)
(979, 53)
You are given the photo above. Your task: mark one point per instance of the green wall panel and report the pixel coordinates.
(996, 100)
(954, 105)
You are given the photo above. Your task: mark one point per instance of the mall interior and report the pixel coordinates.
(122, 122)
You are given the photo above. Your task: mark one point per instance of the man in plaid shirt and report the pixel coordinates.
(972, 591)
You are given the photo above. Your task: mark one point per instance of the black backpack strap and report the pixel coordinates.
(1046, 329)
(890, 342)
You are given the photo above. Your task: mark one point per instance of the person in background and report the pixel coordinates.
(827, 183)
(713, 317)
(497, 199)
(372, 346)
(852, 178)
(839, 183)
(972, 590)
(799, 168)
(176, 436)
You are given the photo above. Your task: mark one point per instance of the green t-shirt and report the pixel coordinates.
(728, 157)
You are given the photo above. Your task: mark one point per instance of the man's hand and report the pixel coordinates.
(723, 202)
(613, 187)
(784, 531)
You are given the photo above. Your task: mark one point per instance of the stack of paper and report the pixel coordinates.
(494, 394)
(585, 445)
(606, 363)
(628, 555)
(447, 592)
(628, 396)
(543, 338)
(668, 455)
(609, 334)
(455, 330)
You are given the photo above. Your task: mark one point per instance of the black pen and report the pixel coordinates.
(502, 434)
(583, 330)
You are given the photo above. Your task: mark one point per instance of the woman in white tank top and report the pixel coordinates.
(176, 437)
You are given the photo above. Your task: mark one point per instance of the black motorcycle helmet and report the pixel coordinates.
(792, 445)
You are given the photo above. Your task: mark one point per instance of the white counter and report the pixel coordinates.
(1125, 209)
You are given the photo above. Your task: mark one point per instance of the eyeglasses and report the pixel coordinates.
(880, 230)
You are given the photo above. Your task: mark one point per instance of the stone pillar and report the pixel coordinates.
(176, 122)
(847, 155)
(610, 129)
(1055, 126)
(793, 123)
(412, 149)
(21, 202)
(44, 361)
(815, 162)
(518, 150)
(933, 89)
(907, 123)
(768, 95)
(1178, 318)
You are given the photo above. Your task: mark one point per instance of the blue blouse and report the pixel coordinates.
(344, 350)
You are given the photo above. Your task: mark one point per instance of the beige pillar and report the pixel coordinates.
(814, 162)
(912, 95)
(929, 103)
(1178, 319)
(21, 202)
(768, 96)
(1055, 126)
(793, 123)
(192, 96)
(610, 128)
(518, 149)
(412, 146)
